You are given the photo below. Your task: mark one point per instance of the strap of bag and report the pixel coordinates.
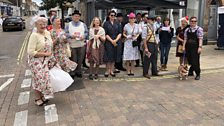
(151, 34)
(133, 31)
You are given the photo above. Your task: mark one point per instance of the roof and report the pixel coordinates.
(138, 4)
(6, 1)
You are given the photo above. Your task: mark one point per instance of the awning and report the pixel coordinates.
(138, 4)
(6, 1)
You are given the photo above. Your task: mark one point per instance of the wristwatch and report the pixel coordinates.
(200, 46)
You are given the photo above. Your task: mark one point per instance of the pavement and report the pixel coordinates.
(119, 101)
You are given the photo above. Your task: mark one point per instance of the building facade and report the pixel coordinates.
(6, 8)
(207, 13)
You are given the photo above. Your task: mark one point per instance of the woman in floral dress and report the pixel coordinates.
(41, 60)
(61, 49)
(131, 54)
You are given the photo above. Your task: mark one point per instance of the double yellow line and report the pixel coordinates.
(23, 48)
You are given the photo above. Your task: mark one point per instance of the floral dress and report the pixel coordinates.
(130, 52)
(40, 70)
(60, 53)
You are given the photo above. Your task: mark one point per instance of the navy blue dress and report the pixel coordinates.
(112, 53)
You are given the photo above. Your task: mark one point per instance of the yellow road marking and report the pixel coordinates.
(23, 48)
(138, 79)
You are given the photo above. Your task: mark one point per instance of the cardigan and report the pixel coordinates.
(37, 42)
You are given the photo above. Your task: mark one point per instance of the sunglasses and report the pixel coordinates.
(131, 18)
(193, 21)
(112, 15)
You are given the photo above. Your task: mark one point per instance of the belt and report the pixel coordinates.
(151, 42)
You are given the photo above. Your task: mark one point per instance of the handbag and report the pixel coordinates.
(134, 42)
(59, 79)
(180, 49)
(68, 50)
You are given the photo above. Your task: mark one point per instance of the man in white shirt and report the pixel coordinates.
(157, 26)
(77, 32)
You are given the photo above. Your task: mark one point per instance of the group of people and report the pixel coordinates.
(110, 43)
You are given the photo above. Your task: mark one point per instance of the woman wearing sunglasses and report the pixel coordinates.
(131, 33)
(193, 38)
(112, 44)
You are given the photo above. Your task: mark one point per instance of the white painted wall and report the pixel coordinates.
(193, 8)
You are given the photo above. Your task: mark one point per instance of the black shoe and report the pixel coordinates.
(197, 77)
(96, 76)
(116, 71)
(147, 76)
(106, 75)
(72, 76)
(91, 77)
(113, 75)
(137, 65)
(132, 74)
(84, 65)
(79, 75)
(157, 75)
(190, 74)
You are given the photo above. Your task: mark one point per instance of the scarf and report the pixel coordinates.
(96, 43)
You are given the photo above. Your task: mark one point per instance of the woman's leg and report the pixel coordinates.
(167, 50)
(97, 69)
(128, 66)
(91, 71)
(180, 60)
(91, 68)
(38, 100)
(107, 68)
(38, 94)
(132, 66)
(112, 68)
(162, 54)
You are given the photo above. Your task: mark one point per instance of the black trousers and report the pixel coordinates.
(153, 49)
(138, 61)
(193, 58)
(119, 63)
(78, 55)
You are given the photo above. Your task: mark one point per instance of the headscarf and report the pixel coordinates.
(34, 20)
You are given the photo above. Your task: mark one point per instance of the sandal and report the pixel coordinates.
(39, 102)
(45, 100)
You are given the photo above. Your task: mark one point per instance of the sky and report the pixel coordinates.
(37, 1)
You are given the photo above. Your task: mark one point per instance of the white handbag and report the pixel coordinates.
(68, 50)
(59, 79)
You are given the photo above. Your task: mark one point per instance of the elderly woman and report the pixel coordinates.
(40, 60)
(131, 33)
(180, 38)
(61, 48)
(95, 46)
